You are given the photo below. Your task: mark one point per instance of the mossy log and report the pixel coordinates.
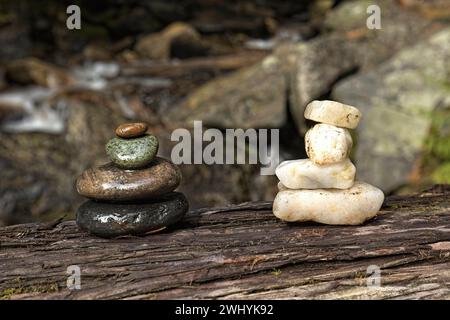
(240, 252)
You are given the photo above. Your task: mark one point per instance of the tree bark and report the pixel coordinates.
(241, 252)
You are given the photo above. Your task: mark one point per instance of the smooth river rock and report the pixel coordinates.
(305, 174)
(110, 183)
(112, 219)
(329, 206)
(131, 130)
(334, 113)
(132, 153)
(327, 144)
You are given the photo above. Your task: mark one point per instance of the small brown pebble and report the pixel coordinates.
(131, 130)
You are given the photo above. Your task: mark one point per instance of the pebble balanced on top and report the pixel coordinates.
(133, 194)
(323, 188)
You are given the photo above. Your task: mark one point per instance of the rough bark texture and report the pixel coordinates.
(240, 252)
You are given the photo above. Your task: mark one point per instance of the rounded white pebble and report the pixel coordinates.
(334, 113)
(326, 144)
(305, 174)
(329, 206)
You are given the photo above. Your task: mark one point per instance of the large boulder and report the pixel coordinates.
(256, 96)
(348, 47)
(316, 66)
(398, 100)
(252, 97)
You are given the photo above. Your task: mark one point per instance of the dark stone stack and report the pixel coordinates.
(133, 194)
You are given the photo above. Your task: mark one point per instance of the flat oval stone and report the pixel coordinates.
(110, 183)
(131, 130)
(334, 113)
(329, 206)
(305, 174)
(327, 144)
(109, 220)
(132, 153)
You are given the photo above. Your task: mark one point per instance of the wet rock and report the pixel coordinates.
(178, 40)
(35, 71)
(132, 153)
(131, 130)
(398, 100)
(113, 219)
(108, 182)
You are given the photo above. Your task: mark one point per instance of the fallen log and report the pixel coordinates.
(241, 252)
(177, 68)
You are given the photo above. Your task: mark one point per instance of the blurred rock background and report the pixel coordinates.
(232, 64)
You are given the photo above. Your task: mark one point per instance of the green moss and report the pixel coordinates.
(441, 174)
(438, 142)
(436, 157)
(276, 272)
(8, 293)
(20, 289)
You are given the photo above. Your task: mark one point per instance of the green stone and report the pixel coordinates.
(132, 153)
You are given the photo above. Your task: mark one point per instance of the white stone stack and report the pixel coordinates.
(323, 188)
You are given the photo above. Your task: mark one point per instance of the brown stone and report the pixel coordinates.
(131, 130)
(110, 183)
(177, 40)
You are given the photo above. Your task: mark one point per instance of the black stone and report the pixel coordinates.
(109, 220)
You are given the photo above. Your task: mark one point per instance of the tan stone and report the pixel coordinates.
(334, 113)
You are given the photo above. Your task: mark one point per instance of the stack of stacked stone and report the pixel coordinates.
(323, 188)
(133, 194)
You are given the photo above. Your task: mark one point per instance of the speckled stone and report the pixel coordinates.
(110, 183)
(110, 220)
(131, 130)
(132, 153)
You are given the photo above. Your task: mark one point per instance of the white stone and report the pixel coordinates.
(329, 206)
(305, 174)
(326, 144)
(334, 113)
